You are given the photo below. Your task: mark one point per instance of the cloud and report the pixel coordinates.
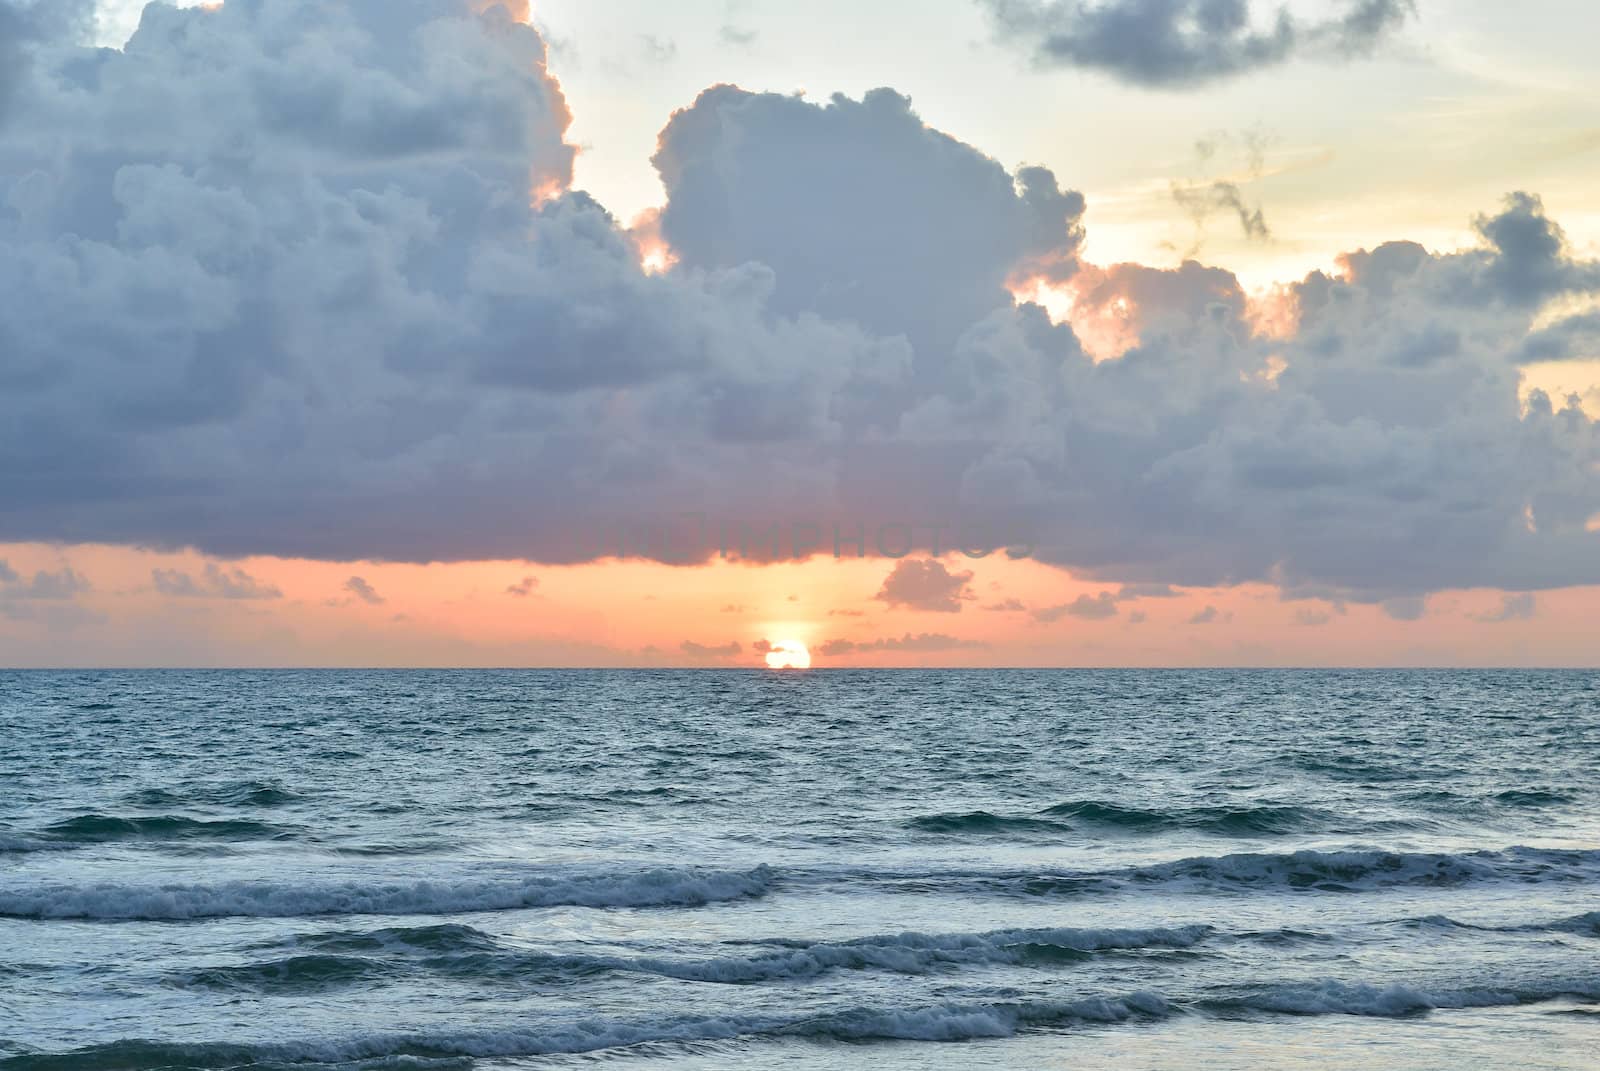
(1409, 608)
(1202, 201)
(523, 588)
(1134, 592)
(837, 200)
(361, 275)
(924, 642)
(1203, 197)
(658, 51)
(63, 585)
(46, 598)
(766, 647)
(926, 584)
(738, 36)
(54, 616)
(215, 583)
(1006, 606)
(702, 652)
(1519, 607)
(1174, 44)
(364, 591)
(13, 56)
(1574, 337)
(1089, 607)
(1209, 616)
(176, 584)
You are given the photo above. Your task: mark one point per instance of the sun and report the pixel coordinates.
(788, 654)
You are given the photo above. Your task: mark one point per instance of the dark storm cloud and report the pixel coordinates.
(263, 296)
(1184, 43)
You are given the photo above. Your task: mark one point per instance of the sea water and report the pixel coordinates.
(800, 870)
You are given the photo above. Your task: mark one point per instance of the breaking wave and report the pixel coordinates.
(948, 1022)
(462, 951)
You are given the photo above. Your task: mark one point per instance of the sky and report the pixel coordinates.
(948, 332)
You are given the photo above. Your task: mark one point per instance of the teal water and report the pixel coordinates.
(811, 870)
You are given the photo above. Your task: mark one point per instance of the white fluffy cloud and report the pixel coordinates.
(299, 278)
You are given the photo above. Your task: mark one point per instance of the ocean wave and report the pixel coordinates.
(1533, 798)
(1309, 871)
(1586, 924)
(1243, 820)
(1240, 820)
(294, 974)
(105, 829)
(469, 953)
(441, 938)
(91, 829)
(985, 823)
(19, 844)
(648, 888)
(1353, 870)
(942, 1022)
(1391, 1001)
(948, 1022)
(227, 794)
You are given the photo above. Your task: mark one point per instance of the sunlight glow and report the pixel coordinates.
(789, 654)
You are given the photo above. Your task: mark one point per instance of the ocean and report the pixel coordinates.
(828, 870)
